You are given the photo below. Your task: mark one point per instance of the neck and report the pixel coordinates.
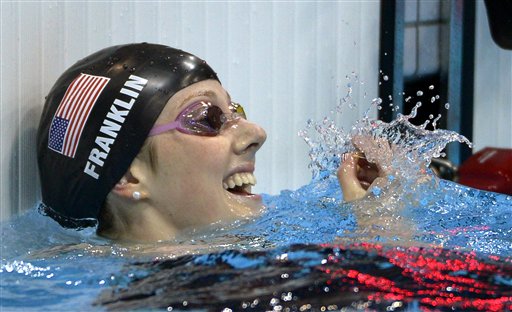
(140, 222)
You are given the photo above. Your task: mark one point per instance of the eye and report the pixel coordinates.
(213, 117)
(207, 116)
(201, 118)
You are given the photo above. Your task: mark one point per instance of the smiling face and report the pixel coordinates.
(198, 180)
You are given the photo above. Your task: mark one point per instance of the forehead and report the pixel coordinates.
(210, 88)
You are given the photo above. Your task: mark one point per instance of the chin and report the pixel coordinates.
(244, 204)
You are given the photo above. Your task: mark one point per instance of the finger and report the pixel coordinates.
(347, 177)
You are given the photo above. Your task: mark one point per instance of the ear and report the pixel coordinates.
(131, 187)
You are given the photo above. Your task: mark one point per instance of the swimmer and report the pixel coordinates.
(143, 140)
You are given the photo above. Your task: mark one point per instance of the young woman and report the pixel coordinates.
(143, 140)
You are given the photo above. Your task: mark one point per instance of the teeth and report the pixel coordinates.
(244, 178)
(231, 183)
(239, 179)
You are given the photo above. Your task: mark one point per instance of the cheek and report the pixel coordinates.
(191, 179)
(192, 159)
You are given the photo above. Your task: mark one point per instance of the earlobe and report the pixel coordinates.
(136, 195)
(129, 188)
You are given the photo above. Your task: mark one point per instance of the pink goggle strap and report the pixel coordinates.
(163, 128)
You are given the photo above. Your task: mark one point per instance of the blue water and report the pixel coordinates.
(46, 267)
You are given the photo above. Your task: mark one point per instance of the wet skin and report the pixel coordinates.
(188, 186)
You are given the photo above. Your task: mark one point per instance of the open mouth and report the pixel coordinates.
(240, 183)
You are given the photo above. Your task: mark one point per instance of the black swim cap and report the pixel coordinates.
(96, 119)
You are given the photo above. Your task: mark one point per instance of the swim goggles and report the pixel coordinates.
(201, 118)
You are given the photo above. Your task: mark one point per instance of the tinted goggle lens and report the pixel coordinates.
(238, 109)
(202, 118)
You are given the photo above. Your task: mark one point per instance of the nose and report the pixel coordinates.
(248, 137)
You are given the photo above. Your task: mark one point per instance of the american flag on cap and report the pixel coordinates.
(71, 115)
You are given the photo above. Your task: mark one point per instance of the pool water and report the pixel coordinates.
(46, 267)
(319, 278)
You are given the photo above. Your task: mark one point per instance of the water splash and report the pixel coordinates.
(399, 147)
(402, 152)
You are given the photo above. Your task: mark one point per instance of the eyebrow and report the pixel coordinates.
(196, 94)
(201, 93)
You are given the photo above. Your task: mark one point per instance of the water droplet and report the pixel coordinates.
(419, 93)
(430, 116)
(376, 191)
(386, 78)
(447, 105)
(407, 99)
(431, 87)
(432, 99)
(434, 122)
(414, 110)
